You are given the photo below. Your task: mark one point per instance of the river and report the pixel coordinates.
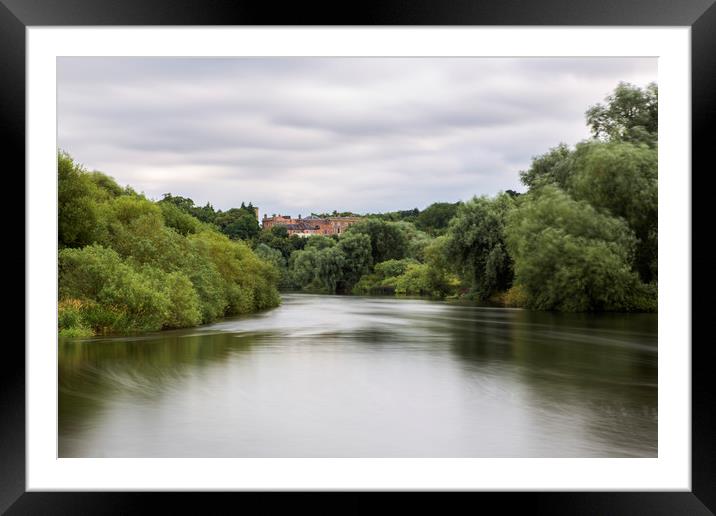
(341, 376)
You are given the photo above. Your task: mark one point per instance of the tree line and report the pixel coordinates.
(582, 238)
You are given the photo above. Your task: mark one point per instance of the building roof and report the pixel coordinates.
(301, 226)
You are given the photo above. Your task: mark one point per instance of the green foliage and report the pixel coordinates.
(515, 297)
(387, 241)
(180, 221)
(77, 196)
(270, 255)
(550, 168)
(583, 238)
(75, 332)
(631, 114)
(396, 216)
(303, 266)
(279, 232)
(107, 185)
(69, 319)
(409, 277)
(119, 298)
(393, 268)
(249, 281)
(357, 258)
(205, 214)
(319, 242)
(415, 239)
(315, 270)
(476, 245)
(414, 281)
(238, 223)
(622, 179)
(184, 309)
(183, 203)
(334, 213)
(441, 277)
(277, 261)
(435, 218)
(384, 278)
(570, 257)
(208, 283)
(330, 268)
(148, 266)
(277, 238)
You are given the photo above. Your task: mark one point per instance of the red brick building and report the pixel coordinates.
(310, 225)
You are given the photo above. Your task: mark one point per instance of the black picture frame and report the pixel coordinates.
(700, 15)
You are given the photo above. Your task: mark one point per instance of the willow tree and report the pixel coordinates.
(569, 256)
(476, 244)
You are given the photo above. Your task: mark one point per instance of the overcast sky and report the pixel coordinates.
(302, 135)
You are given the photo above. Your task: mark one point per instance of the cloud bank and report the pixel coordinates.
(301, 135)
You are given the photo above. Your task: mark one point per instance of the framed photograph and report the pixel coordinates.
(414, 250)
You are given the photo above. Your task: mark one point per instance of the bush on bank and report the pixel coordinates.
(143, 267)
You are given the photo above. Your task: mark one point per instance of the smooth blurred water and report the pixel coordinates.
(334, 376)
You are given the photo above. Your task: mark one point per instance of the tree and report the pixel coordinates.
(476, 244)
(622, 179)
(550, 168)
(435, 218)
(629, 115)
(238, 223)
(205, 213)
(441, 277)
(384, 278)
(279, 231)
(276, 259)
(317, 270)
(270, 255)
(77, 198)
(183, 203)
(319, 242)
(302, 269)
(415, 239)
(278, 238)
(569, 256)
(107, 184)
(330, 268)
(135, 229)
(387, 241)
(180, 221)
(249, 282)
(395, 216)
(358, 259)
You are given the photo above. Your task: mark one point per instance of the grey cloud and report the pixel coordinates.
(314, 134)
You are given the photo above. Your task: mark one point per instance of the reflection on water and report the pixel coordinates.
(332, 376)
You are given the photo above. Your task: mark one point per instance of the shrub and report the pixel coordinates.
(70, 321)
(125, 299)
(515, 297)
(148, 265)
(414, 281)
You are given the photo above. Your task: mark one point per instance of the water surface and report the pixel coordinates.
(335, 376)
